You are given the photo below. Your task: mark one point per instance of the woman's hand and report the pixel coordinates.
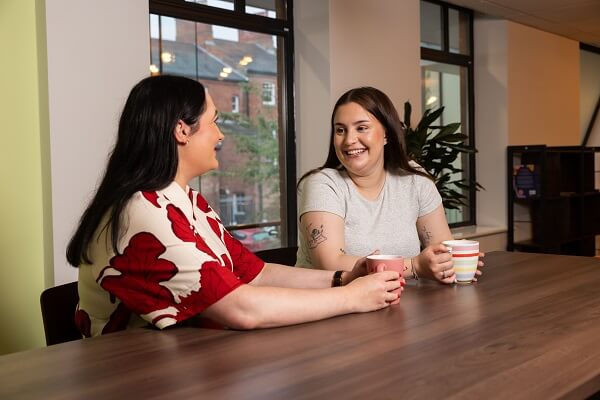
(375, 291)
(359, 269)
(435, 262)
(479, 265)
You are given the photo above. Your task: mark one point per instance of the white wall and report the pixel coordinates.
(97, 51)
(491, 119)
(377, 43)
(341, 44)
(312, 82)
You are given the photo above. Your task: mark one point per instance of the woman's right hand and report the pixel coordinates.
(375, 291)
(435, 262)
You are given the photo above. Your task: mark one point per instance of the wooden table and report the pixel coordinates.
(530, 329)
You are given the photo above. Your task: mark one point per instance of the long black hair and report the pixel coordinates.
(374, 101)
(144, 157)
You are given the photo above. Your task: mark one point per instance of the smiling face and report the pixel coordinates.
(198, 154)
(358, 139)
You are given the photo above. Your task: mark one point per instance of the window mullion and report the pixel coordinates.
(239, 6)
(445, 30)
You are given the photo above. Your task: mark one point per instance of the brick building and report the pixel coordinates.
(241, 76)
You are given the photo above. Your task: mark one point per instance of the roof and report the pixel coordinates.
(207, 61)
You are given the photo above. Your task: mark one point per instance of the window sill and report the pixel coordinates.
(476, 231)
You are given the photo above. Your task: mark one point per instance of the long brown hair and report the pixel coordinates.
(374, 101)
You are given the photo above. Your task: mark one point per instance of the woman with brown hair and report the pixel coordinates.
(369, 196)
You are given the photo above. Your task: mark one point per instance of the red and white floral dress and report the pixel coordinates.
(174, 259)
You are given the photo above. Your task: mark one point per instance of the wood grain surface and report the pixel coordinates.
(530, 329)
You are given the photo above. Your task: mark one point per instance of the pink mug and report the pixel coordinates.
(386, 262)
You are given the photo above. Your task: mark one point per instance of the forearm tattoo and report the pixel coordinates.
(315, 236)
(426, 236)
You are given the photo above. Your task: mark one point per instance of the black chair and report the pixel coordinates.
(283, 255)
(58, 313)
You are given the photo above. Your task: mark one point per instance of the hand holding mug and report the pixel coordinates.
(435, 262)
(465, 259)
(375, 291)
(382, 262)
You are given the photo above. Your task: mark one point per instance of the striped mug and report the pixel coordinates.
(465, 256)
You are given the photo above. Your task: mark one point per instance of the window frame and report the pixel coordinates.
(235, 104)
(270, 87)
(281, 27)
(462, 60)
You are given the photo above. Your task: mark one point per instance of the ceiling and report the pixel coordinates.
(574, 19)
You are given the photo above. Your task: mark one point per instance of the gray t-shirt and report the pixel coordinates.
(387, 223)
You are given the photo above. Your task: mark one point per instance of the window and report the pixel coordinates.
(447, 80)
(268, 93)
(241, 52)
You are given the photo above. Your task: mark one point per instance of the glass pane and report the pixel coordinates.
(431, 25)
(266, 8)
(225, 4)
(256, 239)
(240, 70)
(458, 27)
(447, 85)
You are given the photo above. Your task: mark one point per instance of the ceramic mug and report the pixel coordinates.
(465, 256)
(386, 262)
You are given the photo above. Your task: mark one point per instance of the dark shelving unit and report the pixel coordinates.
(553, 199)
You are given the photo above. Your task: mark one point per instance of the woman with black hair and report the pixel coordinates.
(150, 249)
(369, 196)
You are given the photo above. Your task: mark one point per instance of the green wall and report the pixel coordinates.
(25, 208)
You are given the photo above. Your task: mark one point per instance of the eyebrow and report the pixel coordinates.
(362, 121)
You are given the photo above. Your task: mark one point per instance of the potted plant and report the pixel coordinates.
(436, 148)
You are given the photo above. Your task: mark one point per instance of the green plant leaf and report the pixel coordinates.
(428, 118)
(446, 131)
(455, 138)
(436, 149)
(462, 149)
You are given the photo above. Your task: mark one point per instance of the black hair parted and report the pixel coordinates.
(144, 157)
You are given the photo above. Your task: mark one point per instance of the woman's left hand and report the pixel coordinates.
(435, 262)
(479, 266)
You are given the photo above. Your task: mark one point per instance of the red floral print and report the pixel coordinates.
(227, 261)
(215, 226)
(118, 320)
(191, 197)
(147, 278)
(83, 323)
(184, 231)
(152, 197)
(246, 263)
(202, 204)
(142, 271)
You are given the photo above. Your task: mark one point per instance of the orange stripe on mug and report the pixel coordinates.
(465, 255)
